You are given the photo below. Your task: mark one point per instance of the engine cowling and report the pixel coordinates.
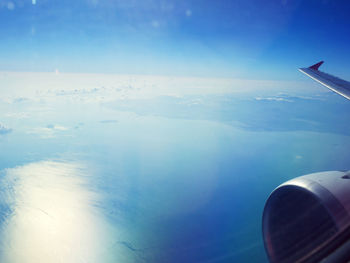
(307, 216)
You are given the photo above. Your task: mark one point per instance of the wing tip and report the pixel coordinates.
(317, 65)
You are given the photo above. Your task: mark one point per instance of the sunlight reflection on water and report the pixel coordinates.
(48, 215)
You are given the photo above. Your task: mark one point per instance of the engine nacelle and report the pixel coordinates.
(306, 217)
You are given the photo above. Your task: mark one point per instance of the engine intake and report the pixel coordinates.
(305, 217)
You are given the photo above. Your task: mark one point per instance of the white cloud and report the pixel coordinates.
(108, 121)
(274, 99)
(59, 128)
(17, 115)
(50, 131)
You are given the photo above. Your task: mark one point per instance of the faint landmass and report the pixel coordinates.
(281, 113)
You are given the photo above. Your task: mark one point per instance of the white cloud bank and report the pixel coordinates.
(104, 87)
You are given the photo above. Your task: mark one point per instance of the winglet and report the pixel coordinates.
(317, 65)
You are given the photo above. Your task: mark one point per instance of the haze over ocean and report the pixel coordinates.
(137, 168)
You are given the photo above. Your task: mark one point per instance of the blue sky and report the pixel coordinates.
(239, 39)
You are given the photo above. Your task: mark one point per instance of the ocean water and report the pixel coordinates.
(152, 169)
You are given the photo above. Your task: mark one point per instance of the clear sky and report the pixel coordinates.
(229, 38)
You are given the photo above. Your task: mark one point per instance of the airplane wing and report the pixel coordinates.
(335, 84)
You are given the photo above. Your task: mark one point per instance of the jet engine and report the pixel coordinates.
(307, 219)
